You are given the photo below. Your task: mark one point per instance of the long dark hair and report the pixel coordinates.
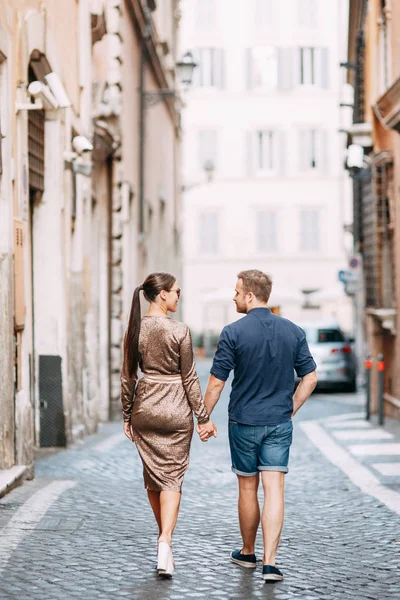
(153, 285)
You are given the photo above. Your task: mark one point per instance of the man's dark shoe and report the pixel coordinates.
(271, 573)
(244, 560)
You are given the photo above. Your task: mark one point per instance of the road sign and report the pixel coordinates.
(354, 262)
(347, 276)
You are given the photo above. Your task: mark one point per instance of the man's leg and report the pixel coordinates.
(272, 515)
(249, 511)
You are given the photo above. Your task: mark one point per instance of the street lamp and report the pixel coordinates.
(184, 68)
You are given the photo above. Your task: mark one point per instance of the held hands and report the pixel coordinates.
(206, 430)
(128, 431)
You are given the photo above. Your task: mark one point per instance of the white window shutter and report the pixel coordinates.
(249, 69)
(304, 149)
(324, 67)
(250, 154)
(266, 231)
(296, 62)
(282, 148)
(207, 147)
(220, 67)
(324, 151)
(285, 68)
(197, 70)
(208, 233)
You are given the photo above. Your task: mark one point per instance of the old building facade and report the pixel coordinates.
(89, 203)
(265, 185)
(374, 71)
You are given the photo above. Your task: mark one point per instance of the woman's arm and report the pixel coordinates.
(190, 380)
(128, 385)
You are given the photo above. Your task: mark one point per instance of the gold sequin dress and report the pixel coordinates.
(161, 408)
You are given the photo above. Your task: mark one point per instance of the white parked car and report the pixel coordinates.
(334, 354)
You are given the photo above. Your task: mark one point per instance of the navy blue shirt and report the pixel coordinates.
(264, 350)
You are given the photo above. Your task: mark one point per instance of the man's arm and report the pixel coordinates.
(304, 390)
(211, 397)
(213, 393)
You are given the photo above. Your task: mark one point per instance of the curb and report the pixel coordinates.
(11, 478)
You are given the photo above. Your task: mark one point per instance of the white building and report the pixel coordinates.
(264, 118)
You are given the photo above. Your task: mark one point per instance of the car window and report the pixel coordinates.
(323, 335)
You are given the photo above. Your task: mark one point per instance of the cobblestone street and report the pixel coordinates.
(83, 528)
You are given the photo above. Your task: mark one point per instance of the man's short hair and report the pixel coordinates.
(257, 282)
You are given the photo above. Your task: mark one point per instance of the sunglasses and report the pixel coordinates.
(178, 292)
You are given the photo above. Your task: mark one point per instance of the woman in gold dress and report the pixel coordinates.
(158, 411)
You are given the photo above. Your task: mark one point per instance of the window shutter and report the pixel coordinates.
(324, 154)
(324, 67)
(197, 70)
(304, 149)
(282, 158)
(220, 67)
(285, 68)
(208, 233)
(19, 285)
(250, 153)
(249, 69)
(296, 62)
(266, 231)
(207, 147)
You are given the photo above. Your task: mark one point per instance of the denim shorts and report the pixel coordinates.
(260, 448)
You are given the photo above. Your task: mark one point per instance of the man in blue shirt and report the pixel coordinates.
(263, 350)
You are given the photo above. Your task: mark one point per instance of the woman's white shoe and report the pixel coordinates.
(163, 555)
(165, 562)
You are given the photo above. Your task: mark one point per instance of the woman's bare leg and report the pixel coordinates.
(169, 505)
(154, 499)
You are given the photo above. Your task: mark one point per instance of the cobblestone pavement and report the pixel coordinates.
(83, 529)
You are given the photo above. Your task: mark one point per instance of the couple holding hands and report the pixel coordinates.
(263, 350)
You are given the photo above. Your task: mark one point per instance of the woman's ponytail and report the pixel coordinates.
(131, 344)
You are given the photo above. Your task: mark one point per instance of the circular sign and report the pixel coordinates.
(353, 262)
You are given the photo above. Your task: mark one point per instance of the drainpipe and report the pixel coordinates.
(143, 50)
(387, 11)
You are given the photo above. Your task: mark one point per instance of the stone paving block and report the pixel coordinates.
(98, 541)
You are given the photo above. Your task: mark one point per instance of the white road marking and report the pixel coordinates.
(110, 442)
(357, 473)
(388, 469)
(375, 449)
(353, 423)
(345, 417)
(29, 516)
(357, 434)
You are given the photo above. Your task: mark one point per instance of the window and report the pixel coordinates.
(266, 150)
(207, 148)
(313, 151)
(208, 233)
(308, 154)
(309, 230)
(314, 66)
(206, 16)
(264, 14)
(323, 336)
(262, 67)
(210, 70)
(307, 13)
(266, 231)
